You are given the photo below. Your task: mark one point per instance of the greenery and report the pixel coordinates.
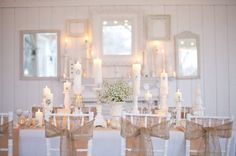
(117, 91)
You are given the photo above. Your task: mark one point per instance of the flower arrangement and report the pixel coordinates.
(118, 91)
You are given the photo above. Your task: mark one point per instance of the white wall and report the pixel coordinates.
(215, 25)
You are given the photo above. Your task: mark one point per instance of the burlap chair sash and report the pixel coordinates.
(6, 129)
(208, 136)
(143, 135)
(69, 138)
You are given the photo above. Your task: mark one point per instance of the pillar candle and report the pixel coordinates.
(77, 78)
(39, 117)
(46, 92)
(148, 96)
(178, 96)
(136, 68)
(97, 70)
(164, 83)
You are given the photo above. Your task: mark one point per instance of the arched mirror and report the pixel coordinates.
(39, 54)
(187, 55)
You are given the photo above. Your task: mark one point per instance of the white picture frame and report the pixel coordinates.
(77, 27)
(158, 27)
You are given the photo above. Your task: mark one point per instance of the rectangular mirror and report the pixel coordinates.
(39, 54)
(117, 37)
(187, 55)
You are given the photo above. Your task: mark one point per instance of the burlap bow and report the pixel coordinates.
(69, 138)
(6, 129)
(209, 137)
(143, 136)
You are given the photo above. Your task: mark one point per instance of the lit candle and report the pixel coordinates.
(174, 74)
(148, 96)
(46, 92)
(97, 70)
(178, 96)
(39, 117)
(77, 78)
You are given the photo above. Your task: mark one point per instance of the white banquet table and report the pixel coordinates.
(105, 143)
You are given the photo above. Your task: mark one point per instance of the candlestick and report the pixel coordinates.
(97, 70)
(178, 105)
(67, 86)
(77, 78)
(136, 68)
(164, 83)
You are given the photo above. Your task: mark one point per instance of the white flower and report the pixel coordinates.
(118, 91)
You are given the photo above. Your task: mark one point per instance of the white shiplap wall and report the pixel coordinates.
(215, 25)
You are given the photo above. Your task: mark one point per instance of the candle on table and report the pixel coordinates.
(97, 69)
(39, 117)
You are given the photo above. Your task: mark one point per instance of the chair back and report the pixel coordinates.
(209, 121)
(70, 122)
(144, 120)
(4, 119)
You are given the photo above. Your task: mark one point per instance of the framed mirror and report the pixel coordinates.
(39, 51)
(117, 37)
(187, 55)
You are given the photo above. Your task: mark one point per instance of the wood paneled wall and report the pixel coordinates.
(215, 25)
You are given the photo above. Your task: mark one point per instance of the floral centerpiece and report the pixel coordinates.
(117, 91)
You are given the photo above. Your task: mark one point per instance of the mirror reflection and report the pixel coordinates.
(117, 37)
(40, 53)
(187, 55)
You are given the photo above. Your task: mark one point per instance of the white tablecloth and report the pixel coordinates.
(105, 143)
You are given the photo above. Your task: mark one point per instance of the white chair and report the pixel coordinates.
(83, 118)
(145, 119)
(5, 118)
(209, 121)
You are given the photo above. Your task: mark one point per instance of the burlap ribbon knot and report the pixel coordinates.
(209, 137)
(68, 138)
(143, 135)
(6, 129)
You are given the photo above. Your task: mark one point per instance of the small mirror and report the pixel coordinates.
(117, 37)
(187, 55)
(39, 54)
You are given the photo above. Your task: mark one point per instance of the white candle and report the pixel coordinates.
(39, 117)
(46, 92)
(97, 70)
(77, 78)
(67, 86)
(148, 96)
(136, 68)
(163, 59)
(178, 96)
(164, 83)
